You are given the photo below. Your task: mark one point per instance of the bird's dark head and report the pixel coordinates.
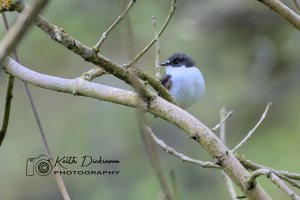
(178, 60)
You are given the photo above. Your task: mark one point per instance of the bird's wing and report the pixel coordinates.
(166, 81)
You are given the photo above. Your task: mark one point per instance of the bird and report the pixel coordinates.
(183, 79)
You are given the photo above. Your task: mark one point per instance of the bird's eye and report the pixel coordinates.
(176, 61)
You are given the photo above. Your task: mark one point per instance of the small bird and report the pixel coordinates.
(183, 79)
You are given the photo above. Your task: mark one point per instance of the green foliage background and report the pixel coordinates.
(248, 55)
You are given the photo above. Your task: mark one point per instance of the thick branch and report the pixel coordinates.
(158, 107)
(71, 86)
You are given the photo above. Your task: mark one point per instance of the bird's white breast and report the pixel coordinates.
(187, 84)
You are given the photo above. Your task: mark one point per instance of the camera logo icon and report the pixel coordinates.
(39, 165)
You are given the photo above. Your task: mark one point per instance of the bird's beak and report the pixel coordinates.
(166, 63)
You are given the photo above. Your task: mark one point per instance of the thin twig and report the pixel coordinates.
(284, 11)
(141, 53)
(217, 126)
(21, 25)
(250, 165)
(181, 156)
(291, 182)
(277, 181)
(251, 182)
(57, 176)
(255, 127)
(227, 179)
(157, 52)
(128, 37)
(120, 18)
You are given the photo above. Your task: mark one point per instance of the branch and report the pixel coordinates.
(251, 182)
(8, 95)
(139, 55)
(277, 181)
(181, 156)
(291, 182)
(217, 126)
(155, 83)
(81, 86)
(57, 176)
(16, 32)
(7, 106)
(255, 127)
(120, 18)
(254, 166)
(284, 11)
(93, 73)
(158, 107)
(128, 37)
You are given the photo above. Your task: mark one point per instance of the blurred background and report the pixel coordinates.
(247, 54)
